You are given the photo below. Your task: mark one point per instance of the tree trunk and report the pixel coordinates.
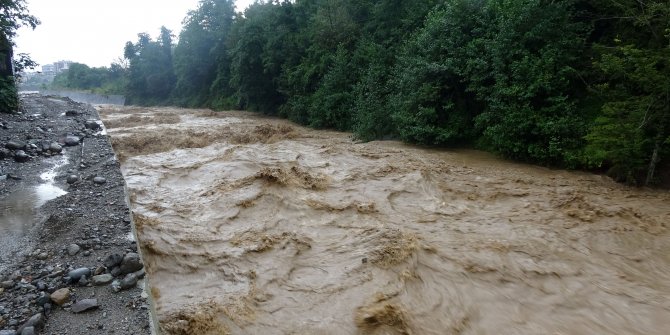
(654, 160)
(6, 68)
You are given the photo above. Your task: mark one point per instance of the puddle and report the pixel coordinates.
(18, 210)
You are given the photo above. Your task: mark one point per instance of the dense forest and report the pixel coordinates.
(572, 83)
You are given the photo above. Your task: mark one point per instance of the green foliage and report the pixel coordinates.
(529, 80)
(201, 58)
(13, 15)
(430, 104)
(100, 80)
(151, 76)
(9, 98)
(533, 80)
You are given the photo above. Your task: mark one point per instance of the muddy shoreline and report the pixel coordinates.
(64, 214)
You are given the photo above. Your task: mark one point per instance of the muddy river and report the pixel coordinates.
(254, 225)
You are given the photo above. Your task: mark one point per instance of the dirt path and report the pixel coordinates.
(257, 226)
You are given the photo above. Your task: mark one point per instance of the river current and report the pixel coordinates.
(252, 225)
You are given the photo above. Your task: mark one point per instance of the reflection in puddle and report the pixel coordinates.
(19, 209)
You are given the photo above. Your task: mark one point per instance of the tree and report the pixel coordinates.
(632, 133)
(13, 15)
(151, 77)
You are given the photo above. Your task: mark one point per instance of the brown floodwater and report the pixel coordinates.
(253, 225)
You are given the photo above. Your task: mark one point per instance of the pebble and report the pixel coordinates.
(21, 156)
(73, 249)
(116, 271)
(131, 263)
(92, 125)
(85, 305)
(7, 332)
(72, 141)
(99, 270)
(42, 256)
(7, 284)
(102, 280)
(99, 180)
(36, 321)
(43, 299)
(71, 179)
(76, 274)
(15, 145)
(61, 296)
(28, 331)
(113, 260)
(83, 281)
(128, 282)
(55, 147)
(87, 253)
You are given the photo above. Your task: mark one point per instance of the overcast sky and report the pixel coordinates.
(94, 32)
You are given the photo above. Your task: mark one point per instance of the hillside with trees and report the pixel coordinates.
(575, 84)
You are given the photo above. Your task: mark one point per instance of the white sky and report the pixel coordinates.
(94, 32)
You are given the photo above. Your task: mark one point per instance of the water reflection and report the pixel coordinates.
(18, 210)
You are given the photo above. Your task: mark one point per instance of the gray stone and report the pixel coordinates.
(7, 284)
(140, 274)
(72, 141)
(131, 263)
(116, 271)
(55, 147)
(7, 332)
(102, 280)
(28, 331)
(36, 321)
(15, 145)
(116, 286)
(21, 156)
(112, 260)
(99, 180)
(85, 305)
(128, 282)
(73, 249)
(44, 298)
(71, 179)
(92, 125)
(75, 275)
(42, 256)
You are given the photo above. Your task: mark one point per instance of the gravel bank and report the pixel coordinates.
(68, 259)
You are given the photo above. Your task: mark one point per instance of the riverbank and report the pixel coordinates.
(68, 258)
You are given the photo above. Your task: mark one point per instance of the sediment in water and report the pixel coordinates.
(265, 227)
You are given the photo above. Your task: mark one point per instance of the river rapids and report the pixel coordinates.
(253, 225)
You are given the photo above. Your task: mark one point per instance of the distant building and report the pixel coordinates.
(56, 68)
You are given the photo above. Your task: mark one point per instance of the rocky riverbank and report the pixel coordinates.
(68, 260)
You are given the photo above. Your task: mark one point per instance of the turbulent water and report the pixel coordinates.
(251, 225)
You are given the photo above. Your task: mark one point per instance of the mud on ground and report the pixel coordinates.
(34, 256)
(258, 226)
